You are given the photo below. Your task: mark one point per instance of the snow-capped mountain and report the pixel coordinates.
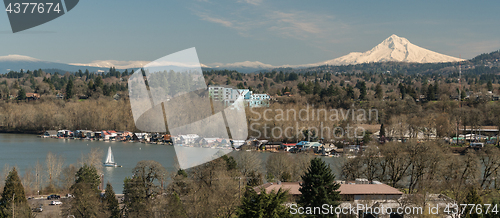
(245, 66)
(18, 62)
(394, 48)
(250, 64)
(119, 64)
(114, 63)
(17, 58)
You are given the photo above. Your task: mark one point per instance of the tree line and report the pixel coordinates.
(215, 189)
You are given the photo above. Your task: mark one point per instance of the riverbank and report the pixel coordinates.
(32, 132)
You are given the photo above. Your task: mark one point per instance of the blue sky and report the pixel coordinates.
(272, 32)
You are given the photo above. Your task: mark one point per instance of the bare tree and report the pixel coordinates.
(458, 173)
(352, 168)
(212, 191)
(28, 181)
(67, 177)
(301, 163)
(150, 172)
(248, 161)
(424, 161)
(371, 160)
(54, 165)
(395, 164)
(279, 166)
(490, 159)
(93, 158)
(38, 176)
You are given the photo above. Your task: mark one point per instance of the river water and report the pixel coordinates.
(24, 150)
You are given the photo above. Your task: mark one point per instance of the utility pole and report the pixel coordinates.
(459, 96)
(460, 91)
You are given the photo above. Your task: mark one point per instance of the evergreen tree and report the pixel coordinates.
(263, 204)
(319, 186)
(240, 86)
(430, 93)
(175, 207)
(402, 90)
(135, 198)
(490, 85)
(382, 130)
(88, 175)
(69, 90)
(254, 178)
(21, 95)
(86, 202)
(98, 82)
(350, 92)
(110, 202)
(230, 162)
(473, 198)
(332, 90)
(316, 88)
(490, 214)
(141, 190)
(362, 91)
(90, 85)
(436, 90)
(13, 196)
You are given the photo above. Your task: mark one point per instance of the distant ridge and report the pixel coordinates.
(392, 49)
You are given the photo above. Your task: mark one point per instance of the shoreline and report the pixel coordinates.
(33, 132)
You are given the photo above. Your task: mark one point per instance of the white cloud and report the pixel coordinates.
(252, 2)
(221, 21)
(259, 20)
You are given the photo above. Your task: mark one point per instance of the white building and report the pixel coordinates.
(230, 95)
(186, 139)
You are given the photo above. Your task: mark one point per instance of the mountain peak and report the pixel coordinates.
(394, 48)
(396, 39)
(15, 57)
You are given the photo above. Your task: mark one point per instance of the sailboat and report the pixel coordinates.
(110, 159)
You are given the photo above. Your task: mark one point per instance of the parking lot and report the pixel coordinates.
(54, 210)
(48, 210)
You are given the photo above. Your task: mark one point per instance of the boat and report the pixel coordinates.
(110, 159)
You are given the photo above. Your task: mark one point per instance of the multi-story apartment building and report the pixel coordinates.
(230, 95)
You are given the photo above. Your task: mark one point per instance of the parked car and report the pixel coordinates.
(52, 197)
(38, 209)
(55, 203)
(69, 195)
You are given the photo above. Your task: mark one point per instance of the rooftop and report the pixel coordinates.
(345, 189)
(292, 187)
(368, 189)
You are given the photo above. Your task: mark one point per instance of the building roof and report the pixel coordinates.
(345, 189)
(368, 189)
(51, 132)
(302, 143)
(292, 187)
(32, 95)
(481, 128)
(313, 144)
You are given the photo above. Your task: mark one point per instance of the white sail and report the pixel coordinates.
(110, 159)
